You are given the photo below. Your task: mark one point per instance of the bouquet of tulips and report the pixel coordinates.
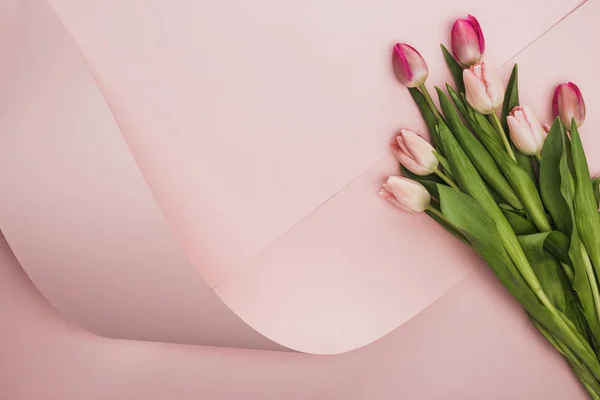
(516, 191)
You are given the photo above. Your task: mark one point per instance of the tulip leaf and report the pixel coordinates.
(553, 279)
(518, 178)
(511, 96)
(468, 215)
(554, 282)
(511, 100)
(520, 225)
(555, 149)
(428, 116)
(584, 284)
(455, 69)
(448, 227)
(584, 279)
(558, 244)
(586, 211)
(477, 153)
(478, 123)
(596, 186)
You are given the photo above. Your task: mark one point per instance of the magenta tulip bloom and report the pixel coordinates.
(406, 194)
(484, 89)
(414, 152)
(410, 68)
(568, 104)
(468, 43)
(526, 132)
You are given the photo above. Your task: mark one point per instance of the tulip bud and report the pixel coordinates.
(484, 89)
(468, 43)
(525, 131)
(568, 104)
(410, 68)
(406, 194)
(414, 152)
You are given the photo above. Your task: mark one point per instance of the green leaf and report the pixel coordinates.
(448, 227)
(554, 150)
(584, 284)
(586, 211)
(478, 123)
(558, 244)
(455, 69)
(477, 153)
(428, 116)
(525, 162)
(584, 279)
(511, 96)
(555, 283)
(596, 187)
(519, 180)
(469, 180)
(520, 225)
(468, 215)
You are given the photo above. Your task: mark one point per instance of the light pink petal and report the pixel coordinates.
(476, 92)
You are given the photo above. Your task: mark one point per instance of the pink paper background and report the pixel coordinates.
(304, 259)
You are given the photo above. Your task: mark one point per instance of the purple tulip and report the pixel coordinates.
(410, 68)
(468, 43)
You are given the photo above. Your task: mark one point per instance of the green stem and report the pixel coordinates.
(498, 126)
(430, 102)
(538, 157)
(446, 179)
(438, 214)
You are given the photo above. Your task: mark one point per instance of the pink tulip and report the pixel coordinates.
(414, 152)
(568, 104)
(406, 194)
(484, 89)
(525, 131)
(410, 68)
(468, 43)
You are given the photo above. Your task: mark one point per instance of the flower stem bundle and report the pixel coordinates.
(516, 191)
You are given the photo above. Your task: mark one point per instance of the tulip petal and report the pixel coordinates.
(420, 150)
(477, 93)
(410, 194)
(466, 42)
(473, 21)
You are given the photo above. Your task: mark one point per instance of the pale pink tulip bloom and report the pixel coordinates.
(485, 91)
(525, 131)
(406, 194)
(414, 152)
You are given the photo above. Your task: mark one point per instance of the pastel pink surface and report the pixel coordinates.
(493, 353)
(241, 134)
(76, 209)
